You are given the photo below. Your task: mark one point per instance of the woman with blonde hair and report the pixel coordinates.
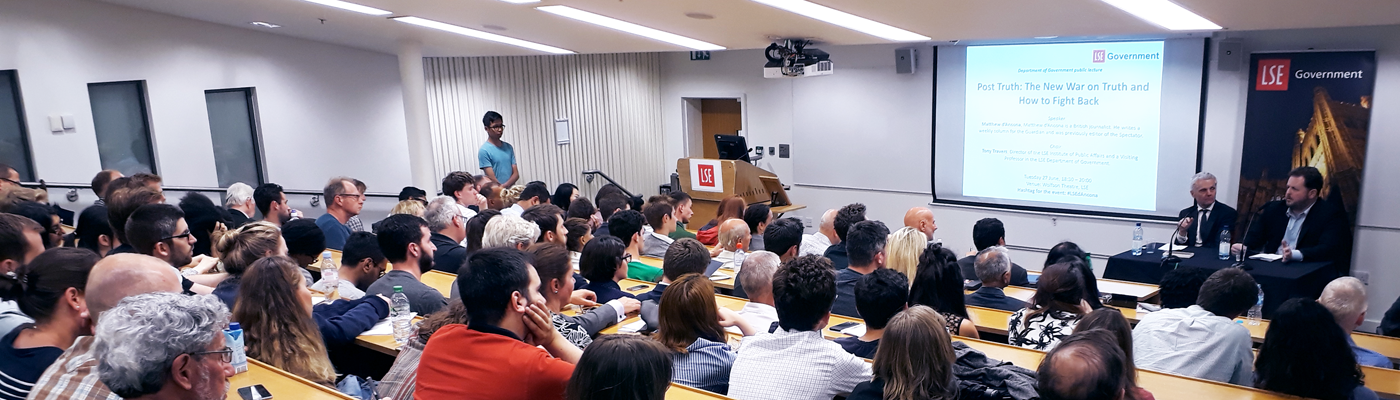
(283, 327)
(410, 206)
(239, 248)
(902, 250)
(915, 360)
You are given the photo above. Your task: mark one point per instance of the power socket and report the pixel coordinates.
(1364, 276)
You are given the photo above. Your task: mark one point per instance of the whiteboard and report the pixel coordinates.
(865, 127)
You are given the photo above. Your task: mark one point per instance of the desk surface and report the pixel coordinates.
(441, 281)
(722, 284)
(281, 384)
(787, 208)
(1142, 291)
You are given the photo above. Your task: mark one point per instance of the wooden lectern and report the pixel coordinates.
(708, 181)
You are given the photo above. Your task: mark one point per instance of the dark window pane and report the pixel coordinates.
(233, 128)
(123, 132)
(14, 141)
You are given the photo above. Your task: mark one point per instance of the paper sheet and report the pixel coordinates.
(1266, 257)
(1178, 247)
(632, 327)
(383, 328)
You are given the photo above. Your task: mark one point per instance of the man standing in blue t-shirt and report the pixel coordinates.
(496, 157)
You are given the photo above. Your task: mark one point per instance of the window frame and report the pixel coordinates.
(26, 147)
(254, 121)
(145, 103)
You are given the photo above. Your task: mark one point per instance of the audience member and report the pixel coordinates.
(662, 220)
(783, 237)
(361, 264)
(74, 375)
(509, 333)
(583, 209)
(551, 261)
(241, 248)
(579, 235)
(866, 247)
(1086, 366)
(9, 177)
(921, 219)
(398, 383)
(21, 240)
(692, 327)
(43, 215)
(413, 193)
(306, 244)
(50, 291)
(564, 195)
(100, 183)
(939, 285)
(492, 191)
(165, 346)
(343, 200)
(758, 216)
(915, 360)
(1306, 354)
(683, 258)
(1071, 253)
(121, 202)
(449, 227)
(1201, 341)
(845, 218)
(903, 249)
(406, 243)
(160, 231)
(816, 244)
(682, 203)
(1180, 287)
(204, 218)
(238, 201)
(282, 327)
(627, 225)
(461, 188)
(354, 223)
(409, 207)
(1111, 320)
(731, 207)
(622, 367)
(756, 277)
(604, 262)
(272, 203)
(550, 221)
(509, 231)
(988, 232)
(993, 267)
(476, 229)
(607, 206)
(796, 362)
(1052, 313)
(533, 194)
(94, 232)
(733, 236)
(1390, 323)
(1345, 298)
(879, 296)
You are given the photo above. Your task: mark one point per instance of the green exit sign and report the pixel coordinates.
(699, 55)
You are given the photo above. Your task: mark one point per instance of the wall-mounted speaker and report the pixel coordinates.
(905, 60)
(1229, 55)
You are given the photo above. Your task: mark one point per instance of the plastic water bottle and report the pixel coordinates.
(1225, 244)
(739, 256)
(330, 273)
(400, 316)
(233, 338)
(1137, 239)
(1256, 312)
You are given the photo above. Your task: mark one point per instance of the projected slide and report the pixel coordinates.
(1064, 123)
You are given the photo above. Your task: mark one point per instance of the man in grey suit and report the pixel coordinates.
(993, 267)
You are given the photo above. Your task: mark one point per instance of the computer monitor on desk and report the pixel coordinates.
(732, 147)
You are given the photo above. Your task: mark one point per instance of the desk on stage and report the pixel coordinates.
(1281, 281)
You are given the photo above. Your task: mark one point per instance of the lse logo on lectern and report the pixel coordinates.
(1273, 75)
(1100, 56)
(707, 175)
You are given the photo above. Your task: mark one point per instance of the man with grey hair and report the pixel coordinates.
(343, 200)
(993, 266)
(449, 228)
(816, 243)
(756, 277)
(509, 231)
(733, 234)
(74, 375)
(165, 346)
(238, 198)
(1200, 224)
(1345, 297)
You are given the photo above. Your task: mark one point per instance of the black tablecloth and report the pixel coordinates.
(1281, 281)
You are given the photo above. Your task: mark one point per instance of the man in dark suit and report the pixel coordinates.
(989, 232)
(845, 217)
(1302, 227)
(239, 201)
(993, 266)
(1202, 222)
(449, 228)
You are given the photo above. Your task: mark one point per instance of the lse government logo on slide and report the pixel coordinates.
(1273, 75)
(707, 175)
(1100, 56)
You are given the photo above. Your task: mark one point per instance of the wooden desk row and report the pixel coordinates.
(281, 384)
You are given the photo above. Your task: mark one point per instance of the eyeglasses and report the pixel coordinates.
(225, 355)
(626, 257)
(350, 195)
(185, 235)
(12, 181)
(496, 127)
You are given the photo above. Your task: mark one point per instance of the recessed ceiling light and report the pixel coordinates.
(841, 18)
(1165, 14)
(427, 23)
(265, 24)
(351, 7)
(494, 27)
(697, 15)
(629, 27)
(1046, 37)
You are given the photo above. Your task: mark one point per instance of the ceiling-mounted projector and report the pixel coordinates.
(792, 59)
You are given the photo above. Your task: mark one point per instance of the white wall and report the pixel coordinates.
(325, 109)
(769, 111)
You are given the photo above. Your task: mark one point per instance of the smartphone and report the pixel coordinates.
(843, 326)
(636, 288)
(255, 392)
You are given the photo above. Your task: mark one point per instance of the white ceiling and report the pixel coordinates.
(742, 24)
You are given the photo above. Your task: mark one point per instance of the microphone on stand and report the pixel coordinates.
(1239, 258)
(1168, 258)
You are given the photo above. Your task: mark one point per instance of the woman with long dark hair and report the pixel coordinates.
(914, 361)
(1052, 313)
(1071, 253)
(731, 207)
(564, 195)
(1305, 353)
(48, 290)
(939, 285)
(621, 367)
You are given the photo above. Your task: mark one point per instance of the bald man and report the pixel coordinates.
(816, 243)
(921, 219)
(74, 374)
(733, 234)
